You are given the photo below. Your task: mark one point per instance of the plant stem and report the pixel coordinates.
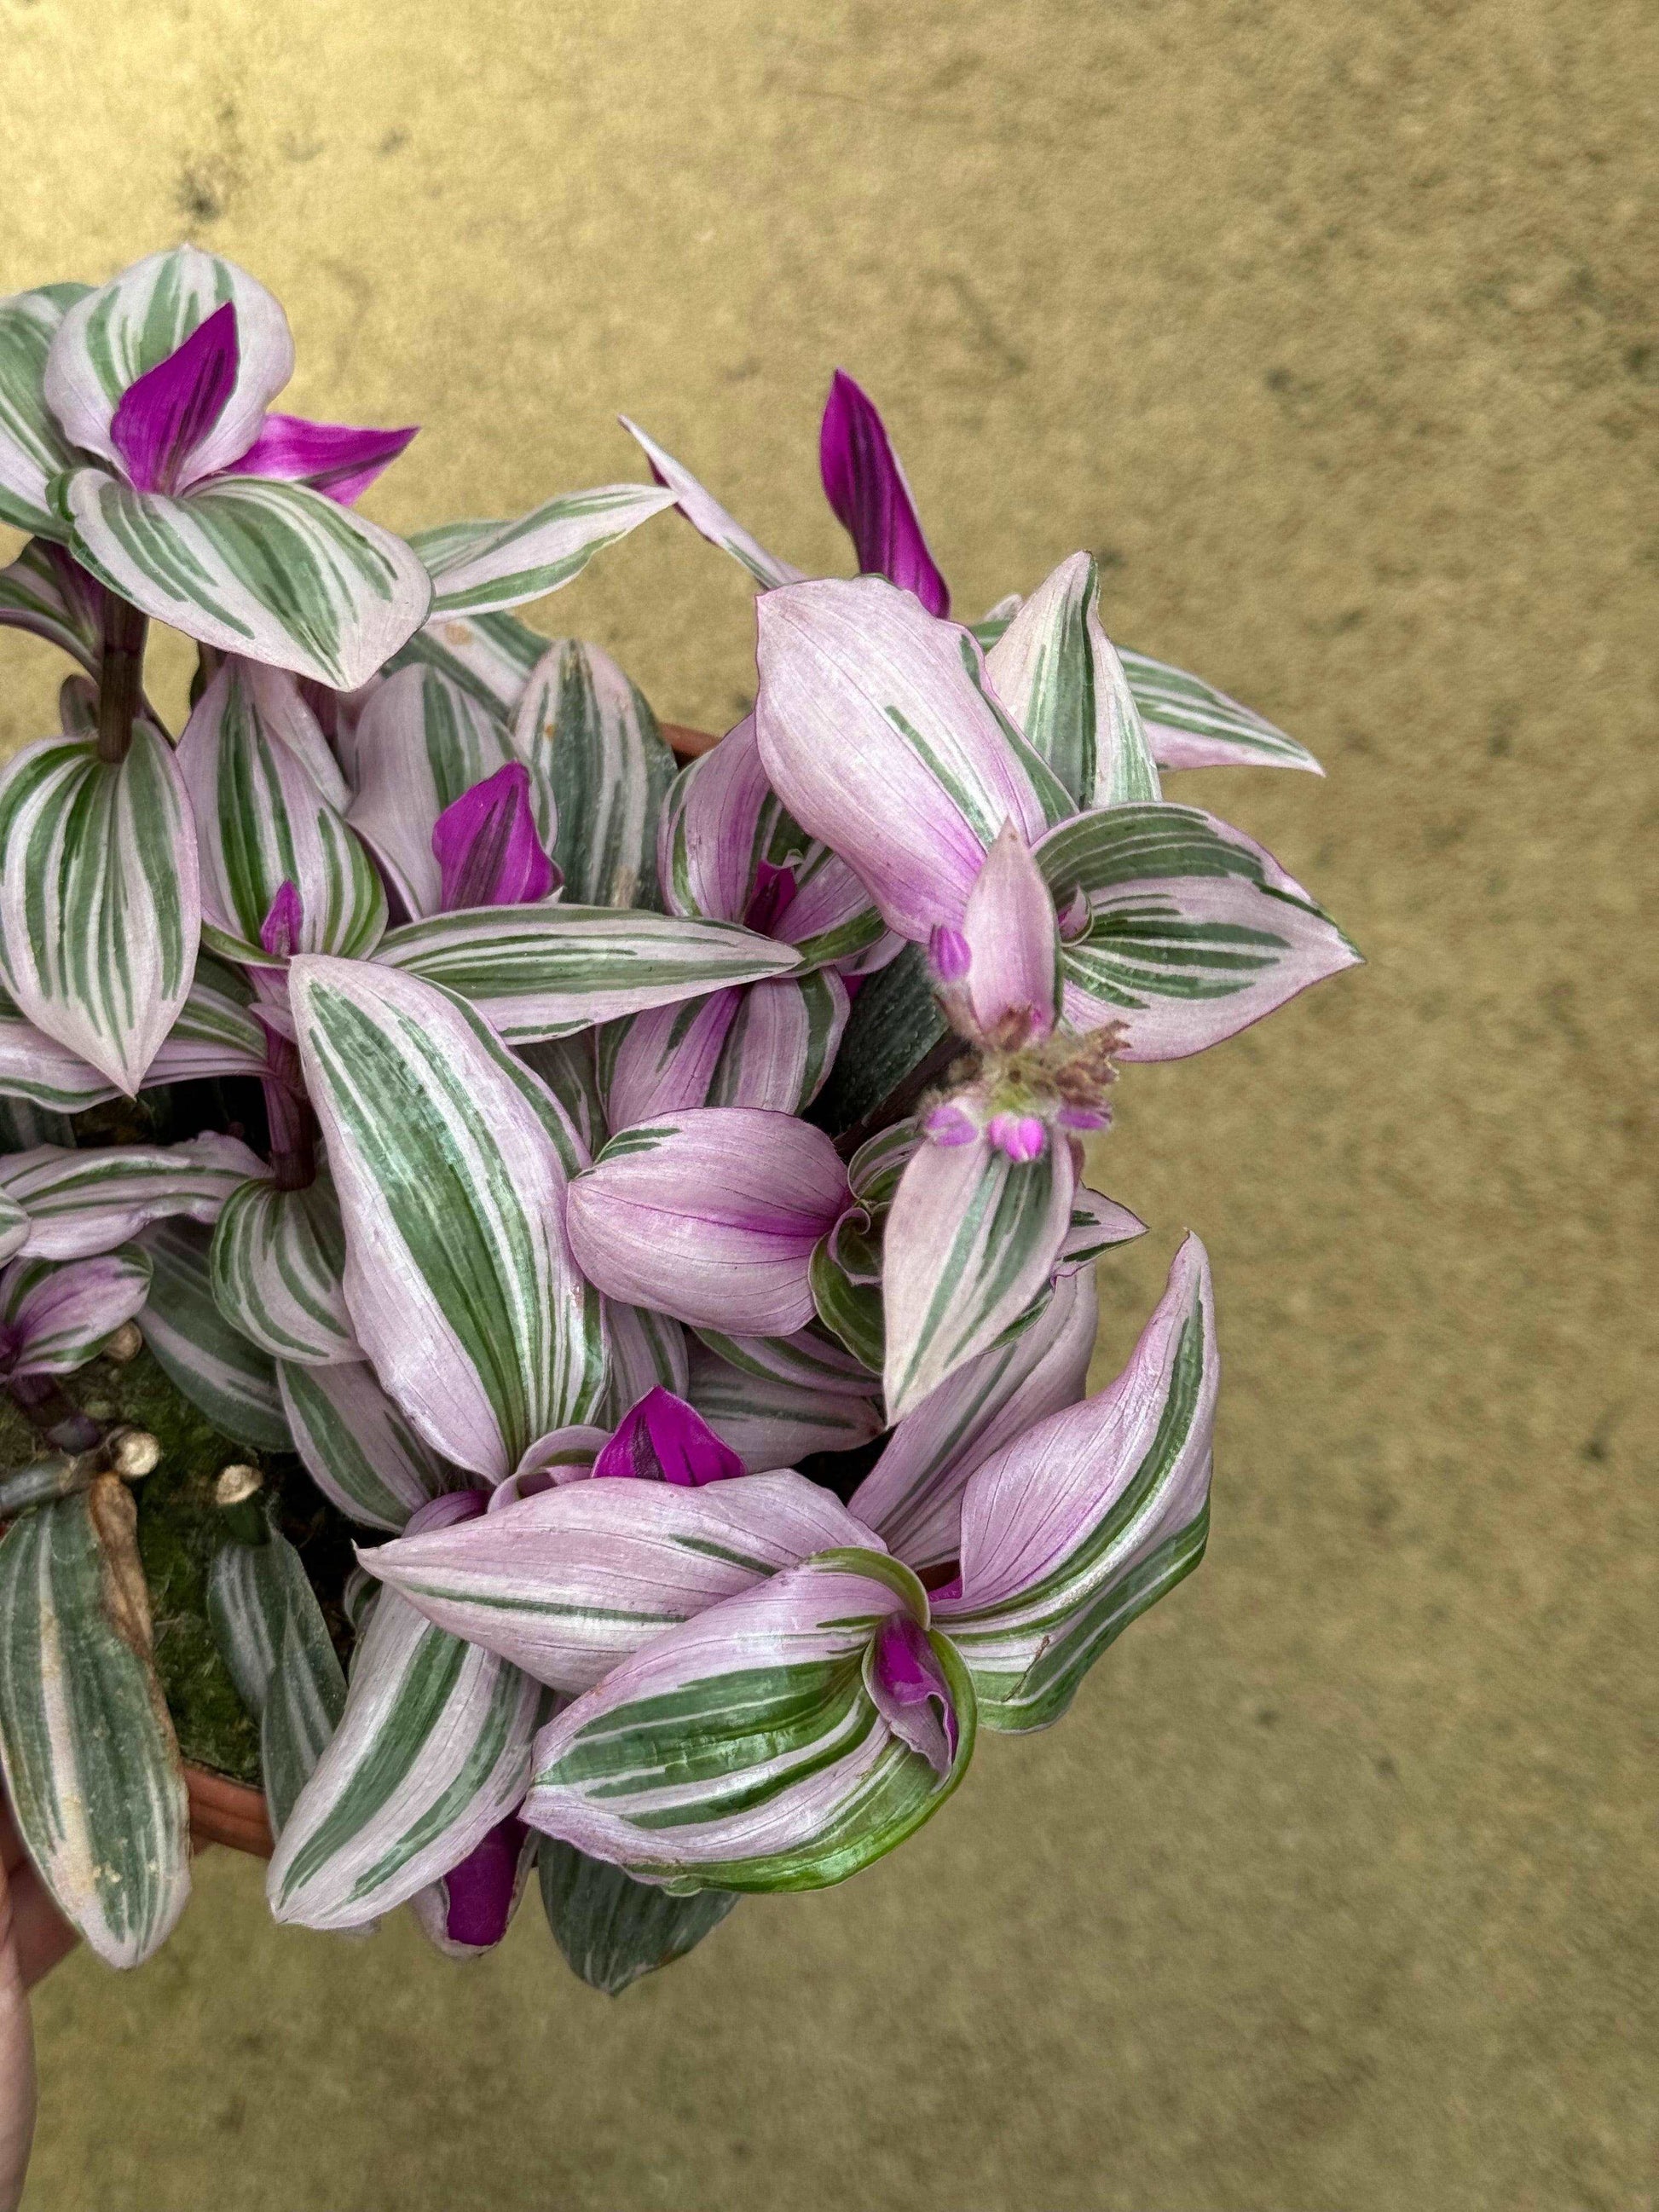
(121, 676)
(54, 1413)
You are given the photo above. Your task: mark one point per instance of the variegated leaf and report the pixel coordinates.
(45, 591)
(451, 1161)
(432, 1750)
(273, 571)
(358, 1447)
(747, 1749)
(216, 1033)
(23, 1126)
(846, 1279)
(646, 1349)
(567, 1582)
(79, 1202)
(773, 1423)
(809, 1359)
(111, 338)
(1061, 678)
(895, 1021)
(710, 519)
(422, 741)
(874, 1170)
(56, 1314)
(278, 1261)
(1097, 1223)
(1194, 932)
(491, 657)
(1074, 1528)
(665, 1060)
(1192, 725)
(543, 971)
(13, 1227)
(92, 1768)
(613, 1929)
(478, 566)
(277, 1649)
(207, 1361)
(972, 1239)
(36, 1067)
(913, 1495)
(567, 1065)
(782, 1043)
(99, 909)
(32, 447)
(588, 731)
(262, 821)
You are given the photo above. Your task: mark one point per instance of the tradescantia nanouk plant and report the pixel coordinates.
(596, 1251)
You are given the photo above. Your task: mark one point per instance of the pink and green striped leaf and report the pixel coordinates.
(275, 572)
(647, 1352)
(56, 1314)
(913, 1494)
(752, 1749)
(710, 1215)
(772, 1422)
(33, 448)
(1193, 930)
(82, 1203)
(1056, 672)
(358, 1446)
(782, 1043)
(129, 328)
(589, 733)
(422, 742)
(1097, 1223)
(45, 591)
(543, 971)
(612, 1930)
(569, 1581)
(277, 1264)
(972, 1239)
(1189, 724)
(491, 657)
(209, 1362)
(810, 1360)
(478, 567)
(99, 904)
(1074, 1528)
(452, 1161)
(432, 1751)
(262, 821)
(92, 1776)
(709, 519)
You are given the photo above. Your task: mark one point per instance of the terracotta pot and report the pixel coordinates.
(685, 744)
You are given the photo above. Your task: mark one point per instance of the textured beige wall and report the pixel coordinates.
(1330, 326)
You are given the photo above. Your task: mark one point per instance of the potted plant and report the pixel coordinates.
(548, 1285)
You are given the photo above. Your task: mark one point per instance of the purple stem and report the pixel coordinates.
(120, 676)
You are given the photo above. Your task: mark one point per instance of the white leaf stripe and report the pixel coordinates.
(972, 1239)
(215, 1033)
(277, 1261)
(584, 726)
(358, 1448)
(44, 591)
(303, 1709)
(32, 448)
(479, 566)
(274, 571)
(646, 1349)
(1097, 1223)
(543, 971)
(36, 1067)
(92, 1768)
(90, 1202)
(809, 1358)
(433, 1749)
(1192, 725)
(710, 519)
(99, 907)
(262, 822)
(210, 1363)
(451, 1161)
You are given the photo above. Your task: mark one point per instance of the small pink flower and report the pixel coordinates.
(950, 1125)
(1022, 1136)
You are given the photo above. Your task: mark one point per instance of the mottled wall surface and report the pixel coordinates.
(1330, 328)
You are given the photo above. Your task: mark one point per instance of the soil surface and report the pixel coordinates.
(1330, 328)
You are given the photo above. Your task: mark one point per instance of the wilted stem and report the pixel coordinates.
(121, 676)
(130, 1453)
